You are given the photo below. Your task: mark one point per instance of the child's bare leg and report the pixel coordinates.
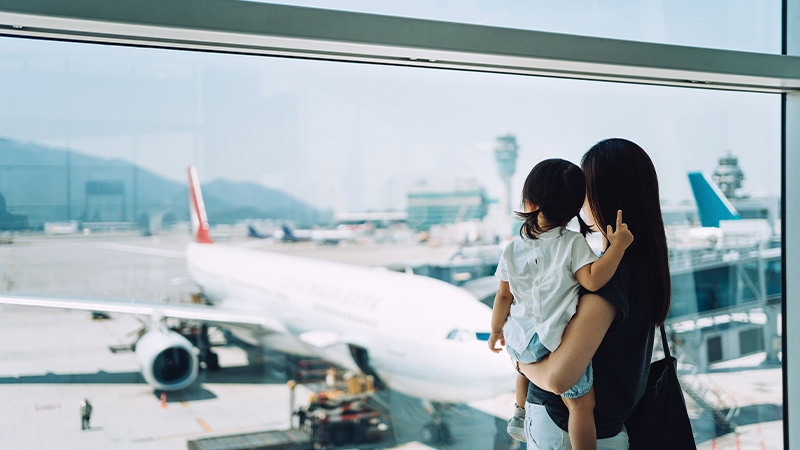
(582, 433)
(516, 424)
(522, 390)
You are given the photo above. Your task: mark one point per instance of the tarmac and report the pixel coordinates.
(50, 360)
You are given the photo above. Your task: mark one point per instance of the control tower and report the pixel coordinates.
(505, 154)
(728, 176)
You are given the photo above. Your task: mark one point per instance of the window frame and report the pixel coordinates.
(310, 33)
(298, 32)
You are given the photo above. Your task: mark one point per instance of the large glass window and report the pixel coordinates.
(94, 145)
(731, 25)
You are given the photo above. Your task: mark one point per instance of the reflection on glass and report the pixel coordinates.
(369, 166)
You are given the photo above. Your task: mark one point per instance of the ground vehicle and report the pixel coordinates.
(334, 418)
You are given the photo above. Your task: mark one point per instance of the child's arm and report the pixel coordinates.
(500, 311)
(595, 275)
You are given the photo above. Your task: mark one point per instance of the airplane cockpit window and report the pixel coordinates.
(461, 335)
(464, 335)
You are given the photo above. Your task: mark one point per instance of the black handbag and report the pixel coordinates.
(660, 419)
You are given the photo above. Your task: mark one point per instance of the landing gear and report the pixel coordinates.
(211, 360)
(197, 334)
(208, 359)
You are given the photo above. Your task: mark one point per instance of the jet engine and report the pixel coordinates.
(168, 360)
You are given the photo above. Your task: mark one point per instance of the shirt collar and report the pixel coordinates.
(552, 233)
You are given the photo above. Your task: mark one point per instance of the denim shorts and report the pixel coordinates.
(536, 351)
(544, 434)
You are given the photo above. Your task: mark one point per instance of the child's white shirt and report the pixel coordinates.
(541, 275)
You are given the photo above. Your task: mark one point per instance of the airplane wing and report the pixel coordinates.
(204, 313)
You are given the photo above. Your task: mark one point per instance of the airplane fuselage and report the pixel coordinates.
(419, 333)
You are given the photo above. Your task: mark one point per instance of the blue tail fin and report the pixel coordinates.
(253, 233)
(288, 235)
(712, 206)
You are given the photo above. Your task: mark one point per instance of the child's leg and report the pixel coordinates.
(582, 433)
(522, 390)
(516, 424)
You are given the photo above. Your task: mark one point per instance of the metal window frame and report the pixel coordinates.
(790, 215)
(285, 31)
(298, 32)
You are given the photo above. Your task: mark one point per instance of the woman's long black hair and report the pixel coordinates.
(620, 175)
(557, 187)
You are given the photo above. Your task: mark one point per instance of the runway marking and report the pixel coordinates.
(204, 425)
(183, 402)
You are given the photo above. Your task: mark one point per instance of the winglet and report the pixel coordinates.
(198, 210)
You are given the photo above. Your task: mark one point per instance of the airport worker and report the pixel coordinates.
(540, 275)
(86, 414)
(614, 327)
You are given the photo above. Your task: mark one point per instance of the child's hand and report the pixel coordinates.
(622, 236)
(494, 338)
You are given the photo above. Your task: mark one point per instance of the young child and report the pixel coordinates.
(540, 275)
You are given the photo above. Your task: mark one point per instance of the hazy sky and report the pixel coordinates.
(355, 137)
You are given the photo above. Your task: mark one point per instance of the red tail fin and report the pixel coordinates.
(198, 210)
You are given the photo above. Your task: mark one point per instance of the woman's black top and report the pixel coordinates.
(621, 363)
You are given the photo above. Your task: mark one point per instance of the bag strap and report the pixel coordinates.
(664, 342)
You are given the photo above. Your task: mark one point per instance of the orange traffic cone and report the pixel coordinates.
(163, 400)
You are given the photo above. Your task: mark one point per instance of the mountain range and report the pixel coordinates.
(46, 184)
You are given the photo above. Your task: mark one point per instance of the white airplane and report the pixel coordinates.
(417, 335)
(321, 236)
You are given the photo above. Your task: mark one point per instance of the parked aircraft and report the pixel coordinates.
(253, 233)
(416, 335)
(712, 205)
(321, 236)
(720, 218)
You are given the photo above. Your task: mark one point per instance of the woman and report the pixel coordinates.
(613, 327)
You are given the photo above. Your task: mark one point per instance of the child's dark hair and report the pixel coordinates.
(558, 188)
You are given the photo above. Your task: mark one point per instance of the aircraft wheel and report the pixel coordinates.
(341, 435)
(444, 434)
(436, 434)
(429, 433)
